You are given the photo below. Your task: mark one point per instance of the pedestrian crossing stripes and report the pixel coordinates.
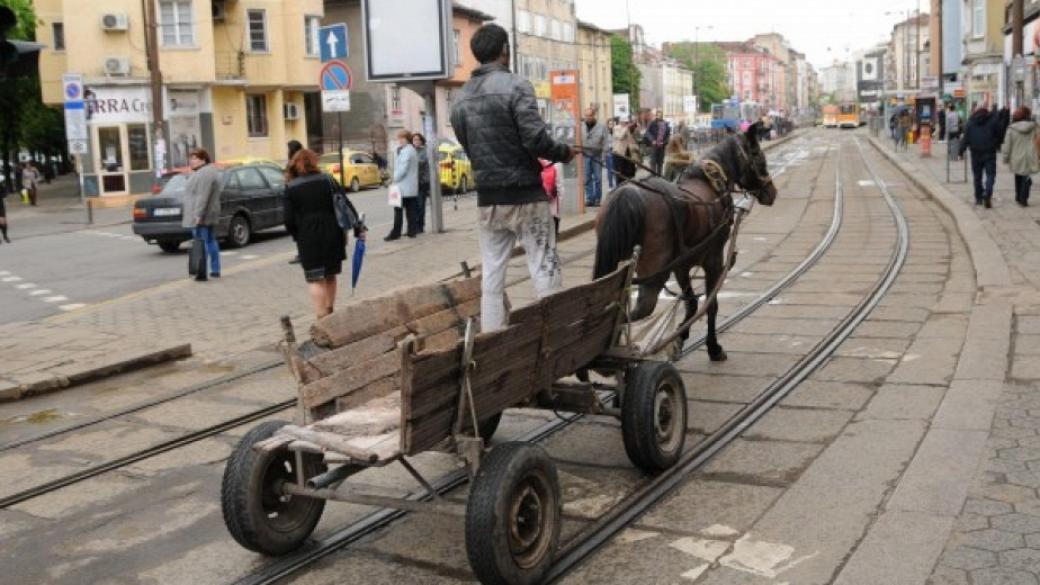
(34, 291)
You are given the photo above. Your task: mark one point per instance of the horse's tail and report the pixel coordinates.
(621, 229)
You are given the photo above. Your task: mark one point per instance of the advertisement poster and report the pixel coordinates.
(565, 105)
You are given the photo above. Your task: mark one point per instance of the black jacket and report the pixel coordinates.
(496, 120)
(311, 219)
(983, 134)
(650, 137)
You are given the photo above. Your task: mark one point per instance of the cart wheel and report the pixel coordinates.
(653, 417)
(513, 515)
(255, 513)
(488, 426)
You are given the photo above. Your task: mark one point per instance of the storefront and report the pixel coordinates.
(120, 158)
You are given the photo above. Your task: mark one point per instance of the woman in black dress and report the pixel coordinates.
(311, 219)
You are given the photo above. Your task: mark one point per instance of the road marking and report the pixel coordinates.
(25, 285)
(56, 299)
(232, 253)
(38, 292)
(11, 278)
(249, 256)
(72, 306)
(4, 273)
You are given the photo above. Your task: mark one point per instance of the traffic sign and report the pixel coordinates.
(337, 100)
(72, 87)
(75, 112)
(77, 147)
(334, 42)
(336, 75)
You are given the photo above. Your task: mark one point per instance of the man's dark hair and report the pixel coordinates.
(294, 147)
(488, 42)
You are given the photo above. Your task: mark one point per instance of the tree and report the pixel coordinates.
(625, 74)
(708, 64)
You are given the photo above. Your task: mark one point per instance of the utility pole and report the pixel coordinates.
(939, 43)
(1017, 22)
(151, 44)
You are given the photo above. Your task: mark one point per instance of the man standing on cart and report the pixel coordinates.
(496, 121)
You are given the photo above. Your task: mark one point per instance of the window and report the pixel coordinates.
(523, 21)
(257, 19)
(256, 115)
(568, 32)
(539, 25)
(274, 175)
(395, 98)
(978, 18)
(311, 24)
(555, 30)
(175, 23)
(58, 29)
(137, 141)
(250, 180)
(458, 56)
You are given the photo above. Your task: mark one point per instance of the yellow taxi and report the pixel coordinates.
(361, 169)
(455, 168)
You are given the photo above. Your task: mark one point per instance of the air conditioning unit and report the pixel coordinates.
(292, 111)
(219, 10)
(117, 66)
(114, 21)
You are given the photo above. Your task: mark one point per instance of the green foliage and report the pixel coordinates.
(708, 64)
(625, 74)
(26, 16)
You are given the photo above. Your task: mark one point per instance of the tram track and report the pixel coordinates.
(288, 565)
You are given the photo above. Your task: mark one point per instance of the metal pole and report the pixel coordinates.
(436, 209)
(154, 73)
(339, 148)
(1017, 22)
(939, 43)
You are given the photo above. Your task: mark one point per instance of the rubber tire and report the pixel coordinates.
(238, 243)
(169, 246)
(637, 416)
(487, 536)
(355, 185)
(241, 497)
(488, 427)
(463, 185)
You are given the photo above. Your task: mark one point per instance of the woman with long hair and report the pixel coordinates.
(311, 219)
(1020, 152)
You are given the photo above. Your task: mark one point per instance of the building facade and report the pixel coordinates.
(784, 78)
(983, 66)
(838, 79)
(236, 74)
(597, 88)
(907, 54)
(546, 32)
(752, 73)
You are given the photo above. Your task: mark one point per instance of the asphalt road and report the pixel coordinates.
(58, 263)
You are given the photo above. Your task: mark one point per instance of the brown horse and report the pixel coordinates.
(683, 224)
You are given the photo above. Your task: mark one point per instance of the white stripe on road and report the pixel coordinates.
(4, 273)
(249, 256)
(56, 299)
(26, 285)
(232, 253)
(11, 278)
(42, 291)
(72, 306)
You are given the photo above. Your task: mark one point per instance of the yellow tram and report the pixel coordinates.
(849, 115)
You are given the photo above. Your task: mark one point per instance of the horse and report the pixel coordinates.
(682, 224)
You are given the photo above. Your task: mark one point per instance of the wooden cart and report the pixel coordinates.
(406, 373)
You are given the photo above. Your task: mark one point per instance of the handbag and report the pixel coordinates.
(346, 215)
(197, 258)
(393, 196)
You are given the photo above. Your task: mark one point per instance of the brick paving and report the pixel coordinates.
(996, 538)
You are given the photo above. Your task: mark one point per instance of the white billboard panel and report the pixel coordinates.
(407, 40)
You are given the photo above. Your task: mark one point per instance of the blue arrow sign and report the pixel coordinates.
(333, 41)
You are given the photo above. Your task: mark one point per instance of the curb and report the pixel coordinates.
(44, 383)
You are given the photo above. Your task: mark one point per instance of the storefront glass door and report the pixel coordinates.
(110, 160)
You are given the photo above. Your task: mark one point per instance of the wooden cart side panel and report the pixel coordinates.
(503, 375)
(576, 303)
(346, 381)
(373, 316)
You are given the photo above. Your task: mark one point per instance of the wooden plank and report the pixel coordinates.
(453, 316)
(345, 381)
(382, 387)
(300, 369)
(331, 361)
(396, 308)
(330, 441)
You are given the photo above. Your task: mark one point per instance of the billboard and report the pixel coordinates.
(407, 40)
(870, 77)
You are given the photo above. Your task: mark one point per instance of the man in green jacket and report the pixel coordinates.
(201, 211)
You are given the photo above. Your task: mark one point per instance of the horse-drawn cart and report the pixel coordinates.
(405, 373)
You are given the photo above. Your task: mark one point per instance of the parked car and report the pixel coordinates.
(361, 170)
(251, 198)
(455, 168)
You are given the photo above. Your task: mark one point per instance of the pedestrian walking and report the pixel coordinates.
(496, 120)
(676, 158)
(953, 124)
(419, 142)
(406, 179)
(1021, 153)
(552, 182)
(893, 125)
(294, 146)
(906, 122)
(311, 219)
(3, 216)
(980, 136)
(201, 211)
(657, 135)
(626, 151)
(594, 141)
(612, 124)
(30, 181)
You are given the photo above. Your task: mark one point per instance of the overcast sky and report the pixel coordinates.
(822, 29)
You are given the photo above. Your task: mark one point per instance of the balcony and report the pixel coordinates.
(230, 65)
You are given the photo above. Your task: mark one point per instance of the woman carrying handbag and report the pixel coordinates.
(405, 187)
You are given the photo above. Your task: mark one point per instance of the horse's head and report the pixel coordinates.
(753, 175)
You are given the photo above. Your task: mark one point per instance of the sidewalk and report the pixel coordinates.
(58, 210)
(995, 535)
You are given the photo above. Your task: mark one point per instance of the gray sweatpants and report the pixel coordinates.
(500, 226)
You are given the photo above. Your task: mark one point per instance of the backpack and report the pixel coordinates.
(549, 180)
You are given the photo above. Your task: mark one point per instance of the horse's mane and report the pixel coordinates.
(723, 153)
